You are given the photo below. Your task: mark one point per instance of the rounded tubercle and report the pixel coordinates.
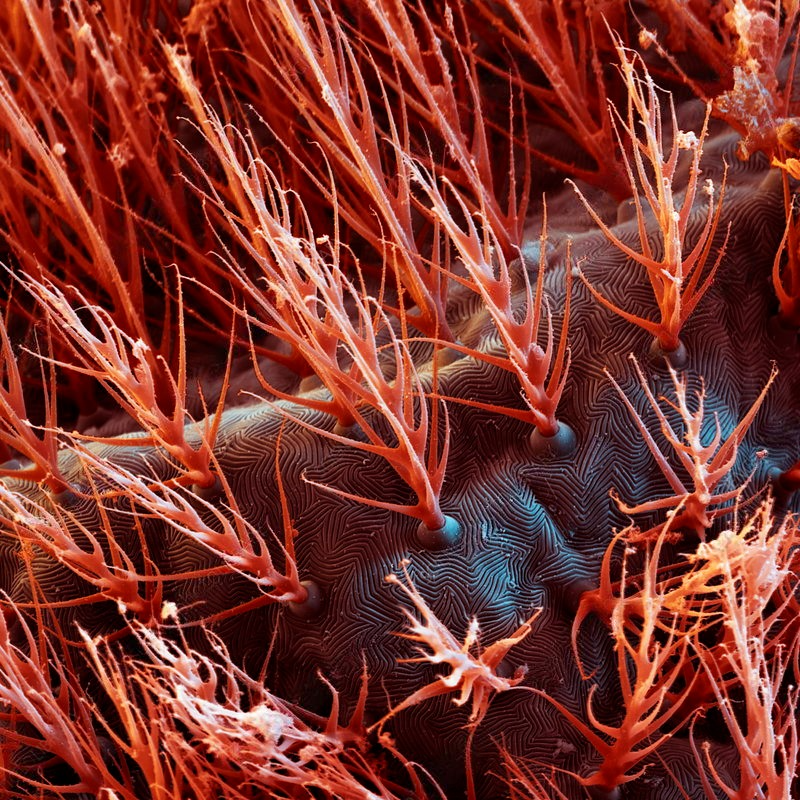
(349, 429)
(313, 604)
(558, 445)
(441, 538)
(209, 491)
(65, 495)
(604, 792)
(448, 355)
(661, 358)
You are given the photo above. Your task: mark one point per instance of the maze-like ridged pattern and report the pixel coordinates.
(534, 530)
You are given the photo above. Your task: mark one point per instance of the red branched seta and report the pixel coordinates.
(786, 266)
(679, 279)
(720, 615)
(17, 433)
(707, 462)
(542, 370)
(473, 669)
(139, 380)
(650, 664)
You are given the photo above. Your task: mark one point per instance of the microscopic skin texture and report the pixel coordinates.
(534, 529)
